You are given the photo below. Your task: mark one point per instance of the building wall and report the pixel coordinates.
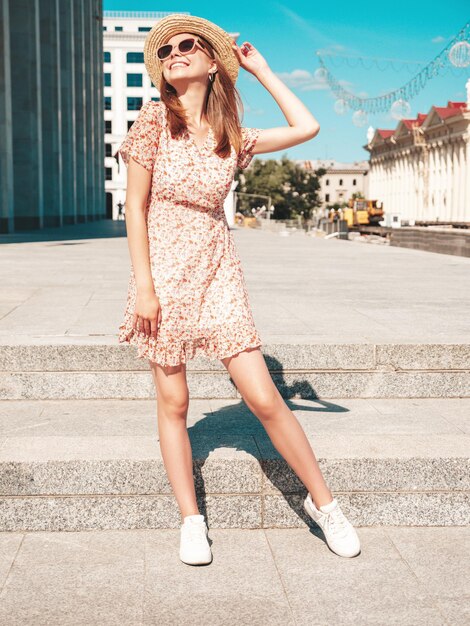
(51, 122)
(340, 181)
(423, 173)
(117, 44)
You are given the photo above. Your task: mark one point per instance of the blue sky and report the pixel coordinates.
(288, 36)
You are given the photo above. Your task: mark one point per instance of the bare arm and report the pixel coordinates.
(147, 309)
(302, 124)
(138, 189)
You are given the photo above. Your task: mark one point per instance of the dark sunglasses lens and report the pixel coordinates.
(164, 51)
(186, 45)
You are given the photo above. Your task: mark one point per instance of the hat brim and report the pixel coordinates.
(176, 23)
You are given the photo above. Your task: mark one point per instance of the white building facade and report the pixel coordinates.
(341, 180)
(127, 87)
(421, 170)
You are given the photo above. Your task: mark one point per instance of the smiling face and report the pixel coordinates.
(178, 67)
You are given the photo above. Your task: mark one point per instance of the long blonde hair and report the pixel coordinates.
(221, 108)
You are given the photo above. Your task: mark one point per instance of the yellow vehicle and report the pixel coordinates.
(249, 222)
(363, 212)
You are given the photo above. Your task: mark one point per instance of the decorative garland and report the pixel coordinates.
(457, 53)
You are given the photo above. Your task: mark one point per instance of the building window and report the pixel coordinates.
(340, 182)
(108, 173)
(118, 29)
(354, 181)
(107, 79)
(107, 57)
(108, 149)
(134, 80)
(155, 99)
(129, 123)
(134, 104)
(144, 29)
(135, 57)
(327, 197)
(107, 103)
(327, 182)
(108, 126)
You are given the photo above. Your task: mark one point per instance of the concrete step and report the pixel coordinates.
(96, 464)
(353, 370)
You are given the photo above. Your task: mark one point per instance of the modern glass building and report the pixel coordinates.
(51, 113)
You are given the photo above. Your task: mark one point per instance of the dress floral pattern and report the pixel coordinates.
(196, 269)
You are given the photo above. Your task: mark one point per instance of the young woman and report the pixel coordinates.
(187, 294)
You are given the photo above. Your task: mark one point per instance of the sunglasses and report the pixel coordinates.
(184, 47)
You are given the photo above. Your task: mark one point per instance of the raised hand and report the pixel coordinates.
(249, 58)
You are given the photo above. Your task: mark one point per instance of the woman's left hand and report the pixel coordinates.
(249, 58)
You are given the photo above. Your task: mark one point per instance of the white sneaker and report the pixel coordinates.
(340, 535)
(194, 545)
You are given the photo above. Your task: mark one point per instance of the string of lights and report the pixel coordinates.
(455, 54)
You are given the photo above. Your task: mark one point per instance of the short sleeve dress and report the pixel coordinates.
(196, 269)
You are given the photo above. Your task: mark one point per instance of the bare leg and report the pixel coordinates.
(251, 376)
(172, 410)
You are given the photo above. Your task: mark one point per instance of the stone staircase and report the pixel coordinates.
(93, 371)
(79, 441)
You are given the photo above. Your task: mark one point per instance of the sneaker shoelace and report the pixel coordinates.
(197, 533)
(337, 523)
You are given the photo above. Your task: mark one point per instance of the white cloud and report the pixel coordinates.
(252, 111)
(303, 80)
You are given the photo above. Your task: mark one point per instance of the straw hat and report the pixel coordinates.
(177, 23)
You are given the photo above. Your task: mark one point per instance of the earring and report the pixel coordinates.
(211, 76)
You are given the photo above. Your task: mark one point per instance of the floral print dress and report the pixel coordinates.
(196, 270)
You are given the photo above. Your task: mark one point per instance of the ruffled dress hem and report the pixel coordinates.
(222, 343)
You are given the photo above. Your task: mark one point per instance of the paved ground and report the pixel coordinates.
(405, 576)
(302, 289)
(70, 285)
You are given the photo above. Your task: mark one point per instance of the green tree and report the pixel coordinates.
(293, 189)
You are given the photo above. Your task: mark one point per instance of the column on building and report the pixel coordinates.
(25, 53)
(447, 180)
(456, 165)
(418, 195)
(429, 208)
(466, 205)
(99, 172)
(437, 188)
(437, 183)
(462, 181)
(80, 113)
(6, 131)
(409, 186)
(390, 202)
(67, 98)
(88, 119)
(441, 182)
(401, 182)
(51, 109)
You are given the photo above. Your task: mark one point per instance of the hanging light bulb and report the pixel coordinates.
(359, 118)
(320, 74)
(400, 109)
(341, 106)
(459, 54)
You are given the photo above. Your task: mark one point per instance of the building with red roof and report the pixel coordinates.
(421, 170)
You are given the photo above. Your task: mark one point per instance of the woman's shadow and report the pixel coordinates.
(235, 426)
